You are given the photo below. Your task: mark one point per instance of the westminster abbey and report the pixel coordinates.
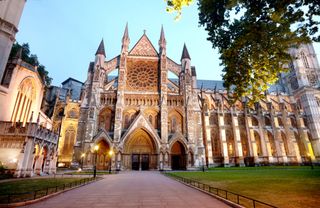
(153, 122)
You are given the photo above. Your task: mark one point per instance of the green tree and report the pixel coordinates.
(253, 38)
(32, 59)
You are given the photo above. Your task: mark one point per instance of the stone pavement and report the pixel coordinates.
(132, 189)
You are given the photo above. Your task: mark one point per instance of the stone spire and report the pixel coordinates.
(185, 53)
(101, 50)
(125, 34)
(162, 42)
(125, 40)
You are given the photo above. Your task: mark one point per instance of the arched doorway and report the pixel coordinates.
(140, 151)
(45, 154)
(103, 158)
(35, 157)
(178, 156)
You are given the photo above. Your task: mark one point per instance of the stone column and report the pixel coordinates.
(237, 138)
(223, 139)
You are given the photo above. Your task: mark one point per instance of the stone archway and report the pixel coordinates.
(178, 156)
(140, 151)
(102, 157)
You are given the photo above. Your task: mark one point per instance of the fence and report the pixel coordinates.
(32, 195)
(228, 195)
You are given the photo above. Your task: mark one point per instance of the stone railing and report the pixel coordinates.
(29, 130)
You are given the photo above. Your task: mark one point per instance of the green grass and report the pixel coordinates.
(283, 187)
(27, 185)
(28, 189)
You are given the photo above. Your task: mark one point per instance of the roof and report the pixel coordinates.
(185, 53)
(101, 50)
(71, 79)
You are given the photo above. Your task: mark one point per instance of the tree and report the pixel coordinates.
(176, 5)
(253, 38)
(31, 59)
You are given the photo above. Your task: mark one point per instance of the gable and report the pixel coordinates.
(143, 48)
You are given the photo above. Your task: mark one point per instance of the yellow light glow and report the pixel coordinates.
(111, 152)
(96, 148)
(83, 154)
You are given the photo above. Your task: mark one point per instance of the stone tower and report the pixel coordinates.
(302, 81)
(10, 13)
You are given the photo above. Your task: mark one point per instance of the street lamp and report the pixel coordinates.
(110, 154)
(96, 148)
(82, 157)
(310, 160)
(202, 164)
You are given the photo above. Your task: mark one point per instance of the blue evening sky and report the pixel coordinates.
(65, 34)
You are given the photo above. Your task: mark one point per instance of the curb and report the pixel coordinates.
(230, 203)
(18, 204)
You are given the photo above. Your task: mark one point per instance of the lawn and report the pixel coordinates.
(22, 190)
(282, 187)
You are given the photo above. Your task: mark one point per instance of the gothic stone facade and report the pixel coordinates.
(27, 144)
(153, 122)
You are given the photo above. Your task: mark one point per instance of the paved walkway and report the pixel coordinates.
(133, 189)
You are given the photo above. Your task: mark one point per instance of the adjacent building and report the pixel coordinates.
(27, 144)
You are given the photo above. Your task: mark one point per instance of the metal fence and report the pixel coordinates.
(32, 195)
(228, 195)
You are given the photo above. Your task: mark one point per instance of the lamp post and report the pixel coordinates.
(96, 148)
(82, 158)
(110, 154)
(310, 160)
(202, 164)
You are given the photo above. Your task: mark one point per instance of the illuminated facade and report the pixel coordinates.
(27, 144)
(65, 119)
(151, 121)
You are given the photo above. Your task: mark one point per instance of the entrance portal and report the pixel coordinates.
(140, 162)
(178, 156)
(140, 152)
(135, 162)
(103, 158)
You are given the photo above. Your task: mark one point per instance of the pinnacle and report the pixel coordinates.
(185, 53)
(101, 50)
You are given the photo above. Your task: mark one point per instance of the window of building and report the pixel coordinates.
(267, 121)
(24, 100)
(73, 113)
(312, 78)
(304, 60)
(294, 83)
(69, 139)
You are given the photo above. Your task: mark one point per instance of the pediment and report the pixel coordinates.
(141, 122)
(102, 134)
(144, 47)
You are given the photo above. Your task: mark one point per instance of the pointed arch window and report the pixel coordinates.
(126, 121)
(173, 125)
(69, 139)
(304, 60)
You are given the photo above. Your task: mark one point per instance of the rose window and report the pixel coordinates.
(142, 76)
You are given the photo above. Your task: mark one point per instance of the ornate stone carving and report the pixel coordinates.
(144, 48)
(142, 75)
(173, 67)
